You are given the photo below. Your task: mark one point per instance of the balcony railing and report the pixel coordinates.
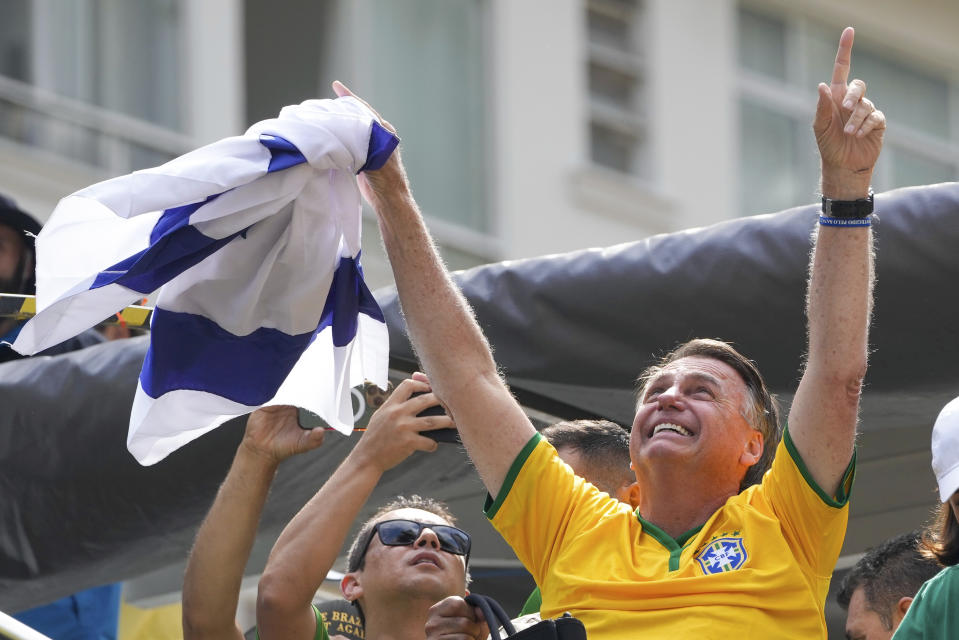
(98, 137)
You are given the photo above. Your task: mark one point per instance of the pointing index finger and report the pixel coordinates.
(840, 72)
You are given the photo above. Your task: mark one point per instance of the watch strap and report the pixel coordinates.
(847, 209)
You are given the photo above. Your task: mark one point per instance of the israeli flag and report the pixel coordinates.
(254, 245)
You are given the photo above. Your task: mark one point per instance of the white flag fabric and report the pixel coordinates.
(254, 245)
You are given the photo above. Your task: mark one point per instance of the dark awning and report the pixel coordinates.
(570, 331)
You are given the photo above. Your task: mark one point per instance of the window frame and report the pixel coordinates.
(791, 98)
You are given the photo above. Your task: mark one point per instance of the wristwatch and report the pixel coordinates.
(860, 208)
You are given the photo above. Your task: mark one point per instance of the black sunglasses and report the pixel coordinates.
(402, 533)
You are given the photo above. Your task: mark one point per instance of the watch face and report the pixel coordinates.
(848, 208)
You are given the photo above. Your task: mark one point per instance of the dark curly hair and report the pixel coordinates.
(893, 570)
(603, 446)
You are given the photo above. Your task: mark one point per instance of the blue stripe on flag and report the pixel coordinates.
(189, 351)
(348, 297)
(382, 143)
(176, 217)
(175, 246)
(284, 153)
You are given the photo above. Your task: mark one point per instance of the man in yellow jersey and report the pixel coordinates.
(598, 452)
(701, 557)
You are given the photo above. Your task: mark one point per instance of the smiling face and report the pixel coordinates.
(691, 413)
(421, 569)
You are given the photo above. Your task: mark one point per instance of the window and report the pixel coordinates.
(93, 80)
(427, 73)
(617, 123)
(780, 62)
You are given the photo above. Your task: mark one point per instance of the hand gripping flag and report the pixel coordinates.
(254, 245)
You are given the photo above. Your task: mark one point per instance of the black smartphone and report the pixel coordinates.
(448, 434)
(308, 419)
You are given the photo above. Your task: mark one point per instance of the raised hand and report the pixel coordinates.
(211, 585)
(275, 433)
(391, 178)
(849, 129)
(393, 432)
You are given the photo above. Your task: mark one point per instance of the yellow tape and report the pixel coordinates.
(136, 316)
(22, 307)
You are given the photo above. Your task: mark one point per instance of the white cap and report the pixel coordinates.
(945, 450)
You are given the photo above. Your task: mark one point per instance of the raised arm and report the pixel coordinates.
(824, 413)
(444, 333)
(306, 549)
(211, 586)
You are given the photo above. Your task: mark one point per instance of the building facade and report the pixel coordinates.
(529, 127)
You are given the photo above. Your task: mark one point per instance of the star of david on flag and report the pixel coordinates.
(254, 245)
(722, 554)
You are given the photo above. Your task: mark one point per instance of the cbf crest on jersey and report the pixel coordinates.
(722, 554)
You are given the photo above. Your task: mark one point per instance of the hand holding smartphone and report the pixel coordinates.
(440, 435)
(310, 420)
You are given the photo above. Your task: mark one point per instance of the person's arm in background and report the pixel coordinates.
(211, 586)
(824, 413)
(308, 546)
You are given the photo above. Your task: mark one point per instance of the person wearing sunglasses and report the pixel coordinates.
(407, 557)
(406, 533)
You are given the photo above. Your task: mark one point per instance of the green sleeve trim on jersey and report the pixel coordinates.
(845, 485)
(320, 634)
(533, 603)
(492, 506)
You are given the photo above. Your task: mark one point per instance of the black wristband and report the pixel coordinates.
(860, 208)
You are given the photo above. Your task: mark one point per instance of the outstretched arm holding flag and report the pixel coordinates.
(442, 328)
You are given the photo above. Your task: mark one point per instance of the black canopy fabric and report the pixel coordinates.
(595, 318)
(571, 333)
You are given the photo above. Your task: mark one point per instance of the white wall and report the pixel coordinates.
(213, 32)
(548, 196)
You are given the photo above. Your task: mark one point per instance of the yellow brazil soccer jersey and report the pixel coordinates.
(758, 568)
